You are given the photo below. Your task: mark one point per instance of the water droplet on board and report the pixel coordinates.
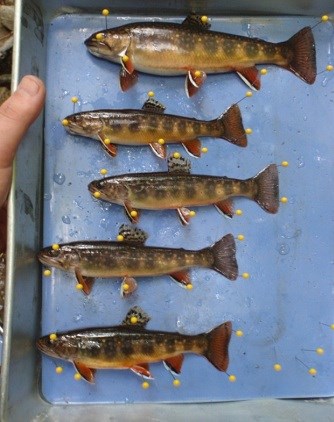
(47, 196)
(283, 249)
(103, 223)
(300, 162)
(77, 318)
(59, 178)
(290, 231)
(66, 219)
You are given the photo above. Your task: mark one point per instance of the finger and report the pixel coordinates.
(16, 115)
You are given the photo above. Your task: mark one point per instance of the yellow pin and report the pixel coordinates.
(65, 122)
(241, 237)
(239, 333)
(284, 199)
(232, 378)
(204, 19)
(133, 320)
(319, 351)
(176, 155)
(324, 18)
(245, 275)
(134, 213)
(198, 73)
(107, 141)
(161, 141)
(249, 94)
(125, 58)
(74, 100)
(99, 36)
(105, 12)
(176, 383)
(79, 286)
(329, 67)
(97, 194)
(59, 369)
(103, 171)
(189, 286)
(120, 238)
(53, 337)
(77, 376)
(55, 247)
(277, 367)
(249, 131)
(263, 71)
(192, 213)
(312, 371)
(238, 212)
(125, 287)
(145, 385)
(204, 150)
(47, 273)
(284, 163)
(150, 94)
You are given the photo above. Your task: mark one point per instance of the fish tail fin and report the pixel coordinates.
(267, 189)
(224, 260)
(218, 342)
(301, 55)
(231, 126)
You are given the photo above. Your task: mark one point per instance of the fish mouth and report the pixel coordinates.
(46, 259)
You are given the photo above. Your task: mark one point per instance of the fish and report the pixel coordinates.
(131, 258)
(150, 126)
(191, 49)
(132, 346)
(178, 189)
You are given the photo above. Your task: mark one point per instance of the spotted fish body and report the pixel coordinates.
(132, 346)
(175, 49)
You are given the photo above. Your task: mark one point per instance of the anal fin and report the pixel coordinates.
(193, 147)
(143, 370)
(110, 148)
(128, 286)
(225, 207)
(181, 277)
(86, 282)
(87, 373)
(184, 215)
(194, 80)
(159, 150)
(174, 364)
(133, 216)
(251, 77)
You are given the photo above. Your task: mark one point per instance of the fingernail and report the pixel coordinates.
(29, 85)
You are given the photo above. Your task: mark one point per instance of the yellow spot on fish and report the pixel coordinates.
(125, 58)
(55, 247)
(176, 155)
(238, 212)
(176, 383)
(97, 194)
(245, 275)
(47, 273)
(74, 99)
(277, 367)
(150, 94)
(329, 67)
(105, 12)
(249, 94)
(126, 287)
(232, 378)
(145, 385)
(133, 320)
(77, 376)
(284, 199)
(120, 238)
(134, 213)
(198, 73)
(192, 213)
(204, 150)
(161, 141)
(284, 163)
(312, 371)
(263, 71)
(239, 333)
(53, 337)
(204, 19)
(320, 351)
(189, 286)
(324, 18)
(65, 122)
(107, 141)
(79, 286)
(241, 237)
(249, 131)
(99, 36)
(59, 369)
(103, 171)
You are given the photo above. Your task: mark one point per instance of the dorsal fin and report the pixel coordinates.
(133, 234)
(153, 105)
(136, 312)
(196, 21)
(178, 165)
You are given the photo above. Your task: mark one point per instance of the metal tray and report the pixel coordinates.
(20, 393)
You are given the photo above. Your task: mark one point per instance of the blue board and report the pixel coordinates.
(282, 307)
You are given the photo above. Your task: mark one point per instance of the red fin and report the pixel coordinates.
(143, 370)
(224, 260)
(159, 150)
(127, 64)
(218, 341)
(174, 363)
(193, 147)
(194, 81)
(251, 77)
(131, 286)
(302, 57)
(87, 282)
(127, 80)
(226, 207)
(184, 214)
(267, 189)
(232, 128)
(181, 277)
(110, 148)
(129, 209)
(87, 373)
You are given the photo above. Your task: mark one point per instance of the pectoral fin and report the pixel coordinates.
(142, 369)
(181, 277)
(107, 145)
(193, 147)
(127, 80)
(127, 63)
(128, 286)
(174, 363)
(86, 282)
(251, 77)
(225, 207)
(87, 373)
(194, 80)
(159, 150)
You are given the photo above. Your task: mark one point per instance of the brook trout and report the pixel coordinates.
(150, 126)
(132, 346)
(178, 189)
(131, 258)
(191, 49)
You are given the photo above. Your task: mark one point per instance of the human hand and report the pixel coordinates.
(16, 115)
